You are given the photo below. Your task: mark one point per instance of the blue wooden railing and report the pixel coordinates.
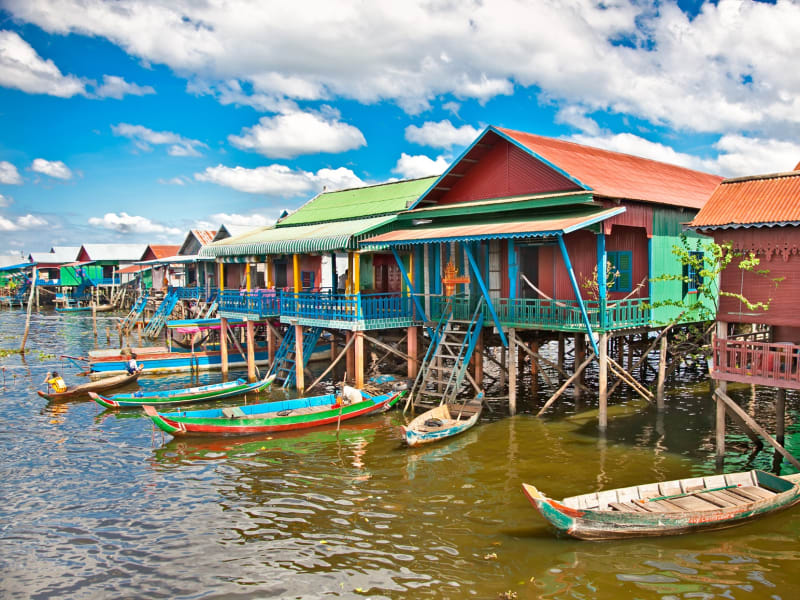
(346, 307)
(262, 303)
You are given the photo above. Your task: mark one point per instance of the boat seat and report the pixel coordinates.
(233, 412)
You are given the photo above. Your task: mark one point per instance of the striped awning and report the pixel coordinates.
(302, 239)
(532, 227)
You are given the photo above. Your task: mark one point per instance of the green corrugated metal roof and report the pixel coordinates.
(384, 199)
(320, 237)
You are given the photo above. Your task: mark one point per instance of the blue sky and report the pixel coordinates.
(136, 120)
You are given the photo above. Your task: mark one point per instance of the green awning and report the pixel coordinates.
(302, 239)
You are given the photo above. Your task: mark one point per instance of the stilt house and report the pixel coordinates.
(754, 344)
(514, 234)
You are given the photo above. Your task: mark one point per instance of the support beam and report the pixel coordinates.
(221, 277)
(477, 355)
(637, 387)
(566, 384)
(576, 290)
(602, 261)
(413, 352)
(296, 273)
(223, 343)
(269, 276)
(485, 292)
(344, 352)
(579, 353)
(299, 372)
(247, 276)
(251, 352)
(512, 371)
(389, 349)
(350, 365)
(662, 371)
(359, 376)
(755, 427)
(411, 290)
(602, 384)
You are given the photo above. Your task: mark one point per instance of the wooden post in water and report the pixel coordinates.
(602, 384)
(722, 386)
(780, 415)
(579, 355)
(28, 317)
(251, 351)
(477, 354)
(359, 357)
(351, 355)
(512, 371)
(413, 351)
(503, 367)
(299, 373)
(662, 370)
(94, 320)
(223, 343)
(534, 368)
(560, 359)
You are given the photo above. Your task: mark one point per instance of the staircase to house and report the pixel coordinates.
(446, 362)
(136, 311)
(159, 319)
(284, 364)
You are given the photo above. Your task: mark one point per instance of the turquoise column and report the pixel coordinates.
(485, 292)
(576, 289)
(602, 292)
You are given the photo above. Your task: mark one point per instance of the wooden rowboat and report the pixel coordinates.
(215, 391)
(443, 421)
(669, 507)
(92, 386)
(284, 415)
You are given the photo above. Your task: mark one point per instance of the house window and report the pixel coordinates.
(692, 273)
(281, 280)
(307, 280)
(622, 268)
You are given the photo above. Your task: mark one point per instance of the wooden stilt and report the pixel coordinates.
(662, 371)
(351, 355)
(223, 345)
(602, 384)
(534, 365)
(719, 424)
(333, 344)
(270, 344)
(94, 320)
(333, 363)
(574, 377)
(637, 387)
(28, 315)
(512, 371)
(413, 351)
(478, 357)
(359, 357)
(734, 408)
(580, 355)
(503, 367)
(780, 415)
(251, 353)
(299, 359)
(560, 359)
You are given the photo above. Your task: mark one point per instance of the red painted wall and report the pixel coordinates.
(779, 251)
(506, 170)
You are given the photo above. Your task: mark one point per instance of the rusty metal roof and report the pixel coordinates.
(530, 227)
(752, 201)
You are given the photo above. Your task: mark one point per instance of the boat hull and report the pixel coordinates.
(592, 524)
(270, 419)
(417, 433)
(173, 362)
(92, 386)
(216, 391)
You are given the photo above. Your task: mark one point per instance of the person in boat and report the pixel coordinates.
(55, 381)
(131, 366)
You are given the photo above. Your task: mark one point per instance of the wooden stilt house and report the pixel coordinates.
(755, 344)
(315, 277)
(512, 236)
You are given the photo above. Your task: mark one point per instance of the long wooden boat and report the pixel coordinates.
(269, 417)
(99, 308)
(443, 421)
(669, 507)
(164, 361)
(91, 386)
(215, 391)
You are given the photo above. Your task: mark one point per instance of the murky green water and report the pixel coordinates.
(94, 504)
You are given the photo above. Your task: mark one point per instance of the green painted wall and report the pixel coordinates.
(366, 276)
(69, 276)
(667, 228)
(147, 278)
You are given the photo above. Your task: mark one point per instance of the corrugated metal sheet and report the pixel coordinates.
(496, 229)
(162, 251)
(203, 236)
(622, 175)
(57, 255)
(358, 203)
(767, 199)
(320, 237)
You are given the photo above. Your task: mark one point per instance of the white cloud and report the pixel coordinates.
(412, 167)
(279, 180)
(442, 134)
(5, 201)
(253, 220)
(28, 221)
(9, 173)
(23, 69)
(294, 133)
(125, 223)
(52, 168)
(180, 180)
(145, 138)
(117, 87)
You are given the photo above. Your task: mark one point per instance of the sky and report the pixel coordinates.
(133, 121)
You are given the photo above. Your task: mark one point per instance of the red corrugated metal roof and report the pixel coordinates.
(622, 175)
(524, 228)
(203, 236)
(752, 201)
(131, 269)
(162, 251)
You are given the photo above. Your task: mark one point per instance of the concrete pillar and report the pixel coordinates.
(299, 373)
(223, 341)
(251, 353)
(359, 359)
(413, 351)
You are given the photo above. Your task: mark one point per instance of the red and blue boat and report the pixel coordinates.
(270, 417)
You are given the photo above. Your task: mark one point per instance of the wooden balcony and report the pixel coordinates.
(355, 312)
(259, 304)
(774, 364)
